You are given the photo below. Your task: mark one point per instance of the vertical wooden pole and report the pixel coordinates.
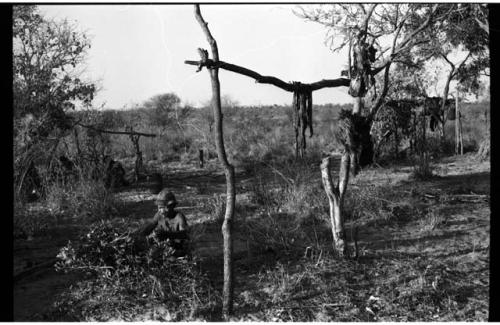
(201, 158)
(295, 120)
(457, 124)
(303, 119)
(138, 168)
(77, 143)
(460, 133)
(227, 226)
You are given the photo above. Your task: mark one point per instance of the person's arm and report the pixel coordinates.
(150, 225)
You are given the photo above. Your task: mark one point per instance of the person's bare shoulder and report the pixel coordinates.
(181, 219)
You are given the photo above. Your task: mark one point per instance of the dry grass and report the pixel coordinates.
(423, 254)
(418, 261)
(85, 199)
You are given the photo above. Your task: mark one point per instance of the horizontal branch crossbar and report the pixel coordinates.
(117, 132)
(288, 86)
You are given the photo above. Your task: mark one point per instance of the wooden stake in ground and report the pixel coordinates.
(134, 137)
(228, 289)
(138, 167)
(200, 158)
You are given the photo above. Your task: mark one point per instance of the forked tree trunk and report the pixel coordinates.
(443, 103)
(228, 289)
(335, 194)
(451, 75)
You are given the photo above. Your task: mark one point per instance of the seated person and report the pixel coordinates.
(168, 224)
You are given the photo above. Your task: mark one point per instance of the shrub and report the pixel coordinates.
(484, 149)
(431, 221)
(294, 210)
(85, 199)
(29, 223)
(422, 168)
(272, 232)
(129, 275)
(216, 207)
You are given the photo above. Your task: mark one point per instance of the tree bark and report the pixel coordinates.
(453, 72)
(459, 148)
(443, 103)
(335, 194)
(358, 104)
(228, 287)
(138, 156)
(461, 134)
(423, 146)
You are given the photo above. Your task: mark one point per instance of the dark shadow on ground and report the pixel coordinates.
(38, 293)
(478, 183)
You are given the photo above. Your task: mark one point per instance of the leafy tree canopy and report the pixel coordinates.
(47, 68)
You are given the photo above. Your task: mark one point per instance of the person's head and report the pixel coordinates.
(166, 200)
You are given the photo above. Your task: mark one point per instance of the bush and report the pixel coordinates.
(129, 275)
(85, 199)
(216, 207)
(422, 168)
(438, 147)
(28, 223)
(484, 149)
(293, 210)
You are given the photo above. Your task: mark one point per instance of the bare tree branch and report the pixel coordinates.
(288, 86)
(415, 32)
(483, 25)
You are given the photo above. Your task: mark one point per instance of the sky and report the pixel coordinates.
(138, 51)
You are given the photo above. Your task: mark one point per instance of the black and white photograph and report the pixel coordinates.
(239, 162)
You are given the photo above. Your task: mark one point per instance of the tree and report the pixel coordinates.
(460, 33)
(162, 108)
(392, 31)
(165, 110)
(48, 58)
(48, 61)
